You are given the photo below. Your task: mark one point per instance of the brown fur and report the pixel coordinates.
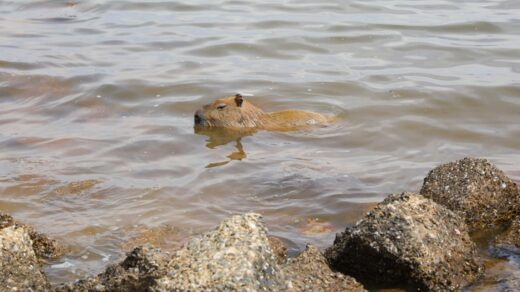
(234, 112)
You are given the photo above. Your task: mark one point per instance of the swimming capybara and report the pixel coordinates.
(234, 112)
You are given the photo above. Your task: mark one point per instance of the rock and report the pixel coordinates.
(481, 193)
(137, 272)
(279, 249)
(407, 239)
(44, 247)
(511, 237)
(19, 266)
(235, 256)
(310, 272)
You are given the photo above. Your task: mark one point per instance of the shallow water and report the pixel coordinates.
(97, 102)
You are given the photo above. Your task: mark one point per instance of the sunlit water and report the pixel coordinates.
(97, 100)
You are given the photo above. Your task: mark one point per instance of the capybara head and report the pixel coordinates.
(229, 112)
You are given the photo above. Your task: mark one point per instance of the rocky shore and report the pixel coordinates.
(414, 241)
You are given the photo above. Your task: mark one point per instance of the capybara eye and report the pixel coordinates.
(221, 106)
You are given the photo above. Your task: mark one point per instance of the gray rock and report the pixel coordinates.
(44, 247)
(407, 239)
(310, 272)
(235, 256)
(481, 193)
(20, 269)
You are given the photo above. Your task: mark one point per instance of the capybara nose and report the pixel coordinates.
(198, 118)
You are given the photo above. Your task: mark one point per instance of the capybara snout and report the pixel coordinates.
(199, 118)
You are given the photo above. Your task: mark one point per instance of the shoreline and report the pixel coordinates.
(424, 240)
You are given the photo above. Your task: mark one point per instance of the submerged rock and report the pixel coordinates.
(310, 272)
(407, 239)
(20, 269)
(43, 246)
(481, 193)
(314, 226)
(234, 256)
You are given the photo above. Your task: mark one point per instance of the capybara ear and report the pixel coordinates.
(239, 99)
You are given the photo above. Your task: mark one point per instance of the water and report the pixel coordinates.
(97, 102)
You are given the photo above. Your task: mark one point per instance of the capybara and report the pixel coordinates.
(234, 112)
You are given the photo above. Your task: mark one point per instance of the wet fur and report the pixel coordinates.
(234, 112)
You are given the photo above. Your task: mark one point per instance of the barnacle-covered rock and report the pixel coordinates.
(477, 190)
(234, 256)
(44, 247)
(20, 269)
(407, 239)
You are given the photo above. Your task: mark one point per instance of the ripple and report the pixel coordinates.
(105, 91)
(18, 65)
(466, 28)
(232, 49)
(161, 6)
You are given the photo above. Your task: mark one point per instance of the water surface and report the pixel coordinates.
(97, 100)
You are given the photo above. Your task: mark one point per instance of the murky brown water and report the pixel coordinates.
(97, 101)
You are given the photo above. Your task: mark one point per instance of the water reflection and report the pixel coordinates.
(222, 136)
